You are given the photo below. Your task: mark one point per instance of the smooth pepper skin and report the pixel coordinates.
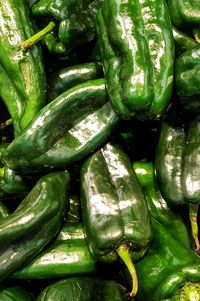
(84, 289)
(113, 206)
(65, 131)
(183, 42)
(66, 78)
(22, 77)
(76, 22)
(25, 232)
(169, 266)
(14, 293)
(187, 79)
(67, 256)
(137, 51)
(185, 14)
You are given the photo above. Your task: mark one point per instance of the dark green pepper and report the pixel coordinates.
(14, 293)
(170, 270)
(22, 77)
(187, 79)
(66, 78)
(67, 256)
(74, 210)
(84, 289)
(4, 212)
(76, 22)
(115, 213)
(137, 51)
(66, 130)
(25, 232)
(183, 42)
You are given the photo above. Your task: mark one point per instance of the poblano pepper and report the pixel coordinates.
(84, 289)
(25, 232)
(65, 131)
(76, 22)
(67, 256)
(170, 270)
(137, 51)
(177, 165)
(114, 210)
(14, 293)
(22, 76)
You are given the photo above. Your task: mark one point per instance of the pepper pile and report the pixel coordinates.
(100, 148)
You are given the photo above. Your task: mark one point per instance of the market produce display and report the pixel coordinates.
(99, 150)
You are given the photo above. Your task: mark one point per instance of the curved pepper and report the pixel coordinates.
(170, 270)
(76, 22)
(138, 56)
(25, 232)
(15, 293)
(84, 289)
(67, 256)
(114, 210)
(66, 130)
(187, 79)
(22, 77)
(66, 78)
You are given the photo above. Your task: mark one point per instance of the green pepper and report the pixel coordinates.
(187, 79)
(25, 232)
(67, 256)
(22, 75)
(66, 78)
(76, 22)
(114, 210)
(137, 51)
(4, 212)
(183, 42)
(14, 293)
(84, 289)
(184, 14)
(66, 130)
(170, 270)
(74, 210)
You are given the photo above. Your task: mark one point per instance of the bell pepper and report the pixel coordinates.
(76, 22)
(84, 289)
(187, 80)
(67, 256)
(65, 131)
(14, 293)
(25, 232)
(170, 270)
(114, 209)
(22, 76)
(66, 78)
(137, 51)
(183, 42)
(177, 165)
(184, 14)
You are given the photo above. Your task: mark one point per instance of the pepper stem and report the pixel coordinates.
(123, 252)
(193, 211)
(38, 36)
(189, 292)
(6, 123)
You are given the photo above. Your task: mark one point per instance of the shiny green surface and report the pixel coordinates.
(15, 293)
(169, 263)
(76, 21)
(183, 42)
(65, 130)
(25, 232)
(84, 289)
(68, 256)
(4, 212)
(137, 50)
(187, 79)
(22, 75)
(114, 209)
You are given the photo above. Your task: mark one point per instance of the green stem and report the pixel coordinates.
(6, 123)
(193, 211)
(38, 36)
(123, 252)
(189, 292)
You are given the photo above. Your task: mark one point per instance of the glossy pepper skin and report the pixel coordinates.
(74, 210)
(170, 270)
(138, 56)
(66, 78)
(183, 42)
(65, 131)
(84, 289)
(67, 256)
(4, 212)
(76, 22)
(184, 14)
(14, 293)
(113, 206)
(25, 232)
(187, 79)
(22, 77)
